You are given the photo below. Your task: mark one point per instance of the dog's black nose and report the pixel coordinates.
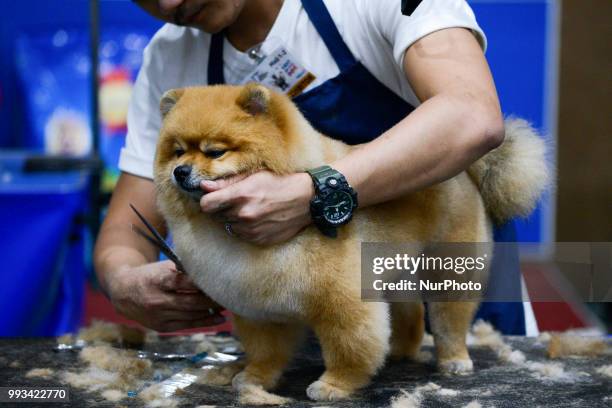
(182, 172)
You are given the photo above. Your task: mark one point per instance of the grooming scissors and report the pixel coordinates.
(156, 240)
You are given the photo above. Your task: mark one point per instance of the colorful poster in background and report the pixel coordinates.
(53, 69)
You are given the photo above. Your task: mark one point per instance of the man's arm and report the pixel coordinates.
(150, 292)
(458, 121)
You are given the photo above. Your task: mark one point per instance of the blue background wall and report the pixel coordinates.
(522, 52)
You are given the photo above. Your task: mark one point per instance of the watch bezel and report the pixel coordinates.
(347, 217)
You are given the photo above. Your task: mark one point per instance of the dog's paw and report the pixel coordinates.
(322, 391)
(252, 394)
(456, 367)
(219, 375)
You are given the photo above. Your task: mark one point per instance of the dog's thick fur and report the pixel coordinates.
(314, 281)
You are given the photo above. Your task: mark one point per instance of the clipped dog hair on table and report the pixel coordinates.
(605, 370)
(102, 331)
(567, 344)
(45, 373)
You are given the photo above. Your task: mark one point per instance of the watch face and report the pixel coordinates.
(337, 207)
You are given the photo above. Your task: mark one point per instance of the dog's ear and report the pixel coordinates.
(254, 99)
(168, 100)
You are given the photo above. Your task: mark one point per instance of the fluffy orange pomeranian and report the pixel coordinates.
(276, 292)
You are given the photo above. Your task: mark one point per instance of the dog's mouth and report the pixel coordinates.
(190, 188)
(195, 193)
(190, 184)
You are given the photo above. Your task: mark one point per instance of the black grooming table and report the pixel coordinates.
(492, 384)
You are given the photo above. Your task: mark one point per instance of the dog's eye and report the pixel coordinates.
(178, 152)
(214, 154)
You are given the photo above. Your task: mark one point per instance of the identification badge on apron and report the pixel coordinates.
(280, 72)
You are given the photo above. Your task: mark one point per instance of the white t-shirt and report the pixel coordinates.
(375, 31)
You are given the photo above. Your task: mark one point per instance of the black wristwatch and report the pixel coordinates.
(334, 201)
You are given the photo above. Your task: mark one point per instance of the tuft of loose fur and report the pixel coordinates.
(605, 370)
(567, 344)
(113, 395)
(45, 373)
(512, 177)
(107, 332)
(414, 399)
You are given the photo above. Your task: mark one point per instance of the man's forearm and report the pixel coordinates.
(441, 138)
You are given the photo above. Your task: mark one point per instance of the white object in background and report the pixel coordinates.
(67, 133)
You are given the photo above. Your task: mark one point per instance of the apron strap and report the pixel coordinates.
(215, 59)
(325, 26)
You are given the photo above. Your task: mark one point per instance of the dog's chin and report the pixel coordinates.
(193, 191)
(194, 194)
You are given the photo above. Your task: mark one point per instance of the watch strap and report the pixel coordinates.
(328, 231)
(320, 175)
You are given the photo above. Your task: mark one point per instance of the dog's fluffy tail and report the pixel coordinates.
(512, 177)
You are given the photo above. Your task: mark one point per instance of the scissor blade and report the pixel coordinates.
(163, 248)
(157, 240)
(146, 236)
(151, 229)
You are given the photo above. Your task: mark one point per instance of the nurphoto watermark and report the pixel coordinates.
(482, 271)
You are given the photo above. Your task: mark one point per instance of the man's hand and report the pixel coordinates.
(262, 208)
(160, 298)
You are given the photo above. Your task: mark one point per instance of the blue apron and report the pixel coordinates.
(355, 107)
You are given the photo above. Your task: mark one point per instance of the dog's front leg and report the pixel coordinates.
(354, 340)
(268, 348)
